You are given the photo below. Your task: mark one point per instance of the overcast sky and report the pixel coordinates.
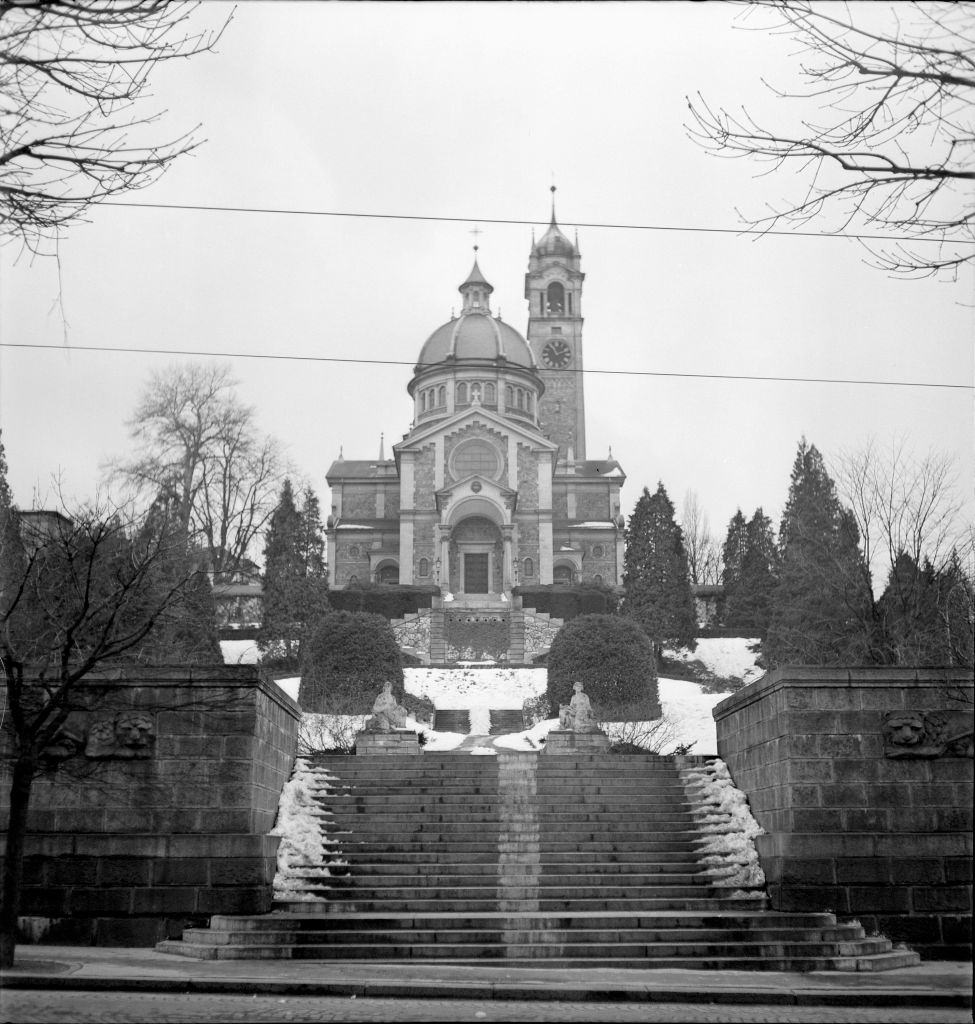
(468, 111)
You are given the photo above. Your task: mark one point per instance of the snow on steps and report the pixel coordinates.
(543, 861)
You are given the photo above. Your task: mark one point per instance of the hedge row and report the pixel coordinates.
(392, 601)
(566, 602)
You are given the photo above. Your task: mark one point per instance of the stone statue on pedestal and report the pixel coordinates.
(577, 715)
(387, 715)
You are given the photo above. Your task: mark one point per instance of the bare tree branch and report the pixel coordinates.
(73, 128)
(884, 132)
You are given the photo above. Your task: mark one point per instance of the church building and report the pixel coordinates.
(490, 488)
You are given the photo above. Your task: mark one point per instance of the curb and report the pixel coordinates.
(488, 990)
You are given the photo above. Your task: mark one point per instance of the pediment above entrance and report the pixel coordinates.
(476, 496)
(526, 434)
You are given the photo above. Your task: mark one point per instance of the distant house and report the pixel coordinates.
(708, 603)
(39, 526)
(238, 595)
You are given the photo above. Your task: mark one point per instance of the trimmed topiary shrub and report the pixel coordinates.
(614, 658)
(345, 659)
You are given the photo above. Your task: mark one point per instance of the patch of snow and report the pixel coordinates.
(689, 709)
(480, 718)
(484, 750)
(304, 844)
(465, 689)
(730, 657)
(442, 740)
(240, 652)
(731, 851)
(600, 525)
(290, 686)
(530, 739)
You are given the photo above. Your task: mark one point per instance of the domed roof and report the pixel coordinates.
(476, 336)
(554, 243)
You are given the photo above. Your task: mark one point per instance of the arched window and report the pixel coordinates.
(528, 400)
(423, 401)
(475, 392)
(353, 578)
(556, 298)
(568, 299)
(597, 579)
(441, 395)
(521, 399)
(490, 394)
(462, 394)
(424, 566)
(529, 567)
(562, 574)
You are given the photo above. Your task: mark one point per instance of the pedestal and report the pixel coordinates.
(561, 741)
(402, 741)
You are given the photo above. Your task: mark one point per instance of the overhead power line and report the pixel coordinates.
(528, 223)
(404, 362)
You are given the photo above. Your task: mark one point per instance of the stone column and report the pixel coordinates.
(444, 555)
(507, 570)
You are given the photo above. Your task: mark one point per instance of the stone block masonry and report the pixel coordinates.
(871, 825)
(131, 851)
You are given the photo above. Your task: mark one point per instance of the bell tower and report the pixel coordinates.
(553, 288)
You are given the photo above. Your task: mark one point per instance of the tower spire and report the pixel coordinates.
(552, 190)
(382, 448)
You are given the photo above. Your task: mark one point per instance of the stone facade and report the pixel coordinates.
(130, 850)
(886, 839)
(497, 434)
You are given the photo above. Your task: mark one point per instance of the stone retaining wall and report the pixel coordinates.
(859, 821)
(130, 848)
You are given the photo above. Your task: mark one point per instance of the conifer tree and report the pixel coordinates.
(295, 580)
(822, 611)
(657, 590)
(733, 552)
(926, 614)
(748, 594)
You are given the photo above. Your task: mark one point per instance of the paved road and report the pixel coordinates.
(27, 1007)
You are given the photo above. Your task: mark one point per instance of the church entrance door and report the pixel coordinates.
(476, 573)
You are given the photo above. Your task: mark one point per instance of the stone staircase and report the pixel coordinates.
(451, 720)
(527, 860)
(506, 720)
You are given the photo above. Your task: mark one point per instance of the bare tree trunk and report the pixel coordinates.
(24, 770)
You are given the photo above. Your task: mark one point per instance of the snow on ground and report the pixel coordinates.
(239, 652)
(465, 689)
(686, 709)
(729, 657)
(290, 686)
(689, 709)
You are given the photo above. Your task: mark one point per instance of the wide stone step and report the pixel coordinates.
(514, 906)
(748, 918)
(543, 947)
(360, 932)
(373, 889)
(555, 874)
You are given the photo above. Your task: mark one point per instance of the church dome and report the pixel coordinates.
(476, 336)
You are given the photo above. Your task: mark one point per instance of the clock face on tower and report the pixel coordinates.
(557, 355)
